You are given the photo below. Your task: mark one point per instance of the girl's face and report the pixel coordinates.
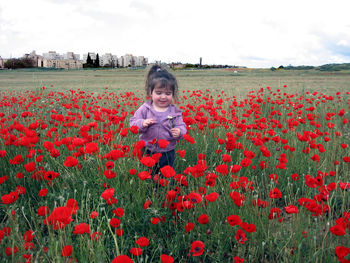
(162, 97)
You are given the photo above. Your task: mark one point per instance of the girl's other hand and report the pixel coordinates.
(148, 122)
(175, 132)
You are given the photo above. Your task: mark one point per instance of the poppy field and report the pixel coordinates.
(264, 177)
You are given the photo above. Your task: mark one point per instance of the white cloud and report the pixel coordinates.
(250, 33)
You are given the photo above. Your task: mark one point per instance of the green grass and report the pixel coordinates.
(121, 80)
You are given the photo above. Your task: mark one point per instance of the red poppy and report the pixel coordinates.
(10, 198)
(342, 252)
(245, 162)
(338, 230)
(70, 161)
(295, 177)
(235, 168)
(233, 220)
(136, 251)
(211, 197)
(124, 132)
(109, 165)
(82, 228)
(30, 167)
(122, 259)
(16, 160)
(148, 161)
(250, 228)
(291, 209)
(93, 214)
(275, 193)
(226, 158)
(95, 236)
(195, 197)
(203, 219)
(144, 175)
(43, 210)
(167, 171)
(11, 250)
(114, 222)
(142, 241)
(109, 174)
(119, 212)
(181, 153)
(166, 258)
(108, 193)
(147, 204)
(197, 248)
(91, 148)
(28, 236)
(134, 129)
(188, 138)
(240, 236)
(67, 251)
(189, 226)
(4, 179)
(274, 213)
(59, 217)
(163, 143)
(132, 171)
(119, 232)
(155, 220)
(222, 169)
(237, 259)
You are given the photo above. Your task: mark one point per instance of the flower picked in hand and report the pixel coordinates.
(171, 121)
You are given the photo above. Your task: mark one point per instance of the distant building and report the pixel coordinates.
(62, 63)
(52, 55)
(141, 61)
(109, 60)
(128, 60)
(71, 56)
(55, 60)
(121, 62)
(70, 60)
(34, 57)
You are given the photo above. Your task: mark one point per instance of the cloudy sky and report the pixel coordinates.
(252, 33)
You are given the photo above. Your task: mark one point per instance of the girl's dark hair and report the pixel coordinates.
(159, 75)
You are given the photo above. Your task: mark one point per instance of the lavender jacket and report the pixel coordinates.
(160, 129)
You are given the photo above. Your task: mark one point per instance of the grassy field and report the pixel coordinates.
(259, 178)
(121, 80)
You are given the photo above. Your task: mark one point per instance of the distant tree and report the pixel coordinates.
(334, 67)
(272, 68)
(15, 63)
(97, 61)
(281, 67)
(89, 62)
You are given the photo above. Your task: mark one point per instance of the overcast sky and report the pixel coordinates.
(252, 33)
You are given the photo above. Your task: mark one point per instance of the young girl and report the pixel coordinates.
(158, 119)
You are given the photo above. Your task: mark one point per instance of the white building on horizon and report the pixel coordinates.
(109, 60)
(2, 63)
(52, 55)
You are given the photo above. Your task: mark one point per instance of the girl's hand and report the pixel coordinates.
(175, 132)
(148, 122)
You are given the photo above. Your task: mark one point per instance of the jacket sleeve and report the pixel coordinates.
(138, 118)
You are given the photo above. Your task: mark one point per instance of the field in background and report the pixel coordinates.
(120, 80)
(259, 178)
